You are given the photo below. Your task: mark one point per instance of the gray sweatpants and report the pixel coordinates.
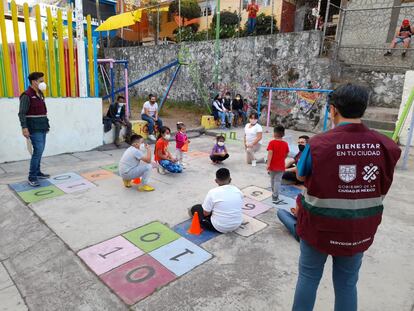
(275, 181)
(143, 170)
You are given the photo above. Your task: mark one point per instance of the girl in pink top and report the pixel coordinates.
(181, 142)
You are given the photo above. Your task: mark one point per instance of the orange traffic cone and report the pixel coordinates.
(195, 225)
(136, 181)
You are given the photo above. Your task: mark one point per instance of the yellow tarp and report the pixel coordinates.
(120, 20)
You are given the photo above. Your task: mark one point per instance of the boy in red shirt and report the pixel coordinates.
(252, 8)
(278, 150)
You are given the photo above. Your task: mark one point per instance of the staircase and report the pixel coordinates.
(381, 119)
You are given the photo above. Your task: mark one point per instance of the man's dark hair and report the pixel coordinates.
(120, 97)
(280, 130)
(305, 137)
(223, 174)
(134, 138)
(350, 100)
(228, 93)
(35, 76)
(151, 95)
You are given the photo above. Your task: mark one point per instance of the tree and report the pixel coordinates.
(228, 24)
(189, 9)
(263, 25)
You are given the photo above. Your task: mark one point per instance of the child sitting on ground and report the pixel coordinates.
(222, 207)
(181, 143)
(219, 152)
(135, 163)
(290, 219)
(278, 150)
(164, 158)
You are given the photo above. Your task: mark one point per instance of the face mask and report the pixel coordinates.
(42, 86)
(227, 97)
(167, 136)
(121, 104)
(142, 147)
(253, 122)
(237, 98)
(301, 147)
(220, 143)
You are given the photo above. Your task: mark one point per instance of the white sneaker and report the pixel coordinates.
(161, 170)
(254, 163)
(152, 137)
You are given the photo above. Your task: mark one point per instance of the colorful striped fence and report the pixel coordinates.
(56, 57)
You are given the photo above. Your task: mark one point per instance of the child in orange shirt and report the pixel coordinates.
(164, 158)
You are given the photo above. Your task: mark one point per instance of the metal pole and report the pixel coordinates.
(271, 21)
(340, 36)
(408, 143)
(158, 25)
(325, 24)
(208, 6)
(179, 20)
(325, 118)
(83, 90)
(128, 108)
(111, 64)
(121, 3)
(217, 46)
(240, 12)
(259, 101)
(98, 15)
(317, 18)
(268, 108)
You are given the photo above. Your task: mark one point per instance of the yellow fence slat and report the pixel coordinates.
(41, 56)
(30, 52)
(17, 47)
(71, 56)
(51, 48)
(6, 55)
(62, 78)
(90, 59)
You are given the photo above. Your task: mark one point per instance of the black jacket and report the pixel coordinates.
(113, 111)
(238, 104)
(227, 103)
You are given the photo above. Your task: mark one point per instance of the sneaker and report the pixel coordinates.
(146, 188)
(403, 54)
(127, 183)
(161, 170)
(33, 183)
(388, 53)
(43, 176)
(152, 137)
(254, 163)
(275, 199)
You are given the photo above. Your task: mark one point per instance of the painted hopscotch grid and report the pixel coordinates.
(138, 262)
(57, 185)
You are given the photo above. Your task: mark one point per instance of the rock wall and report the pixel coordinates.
(386, 87)
(284, 60)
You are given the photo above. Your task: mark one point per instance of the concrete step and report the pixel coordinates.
(381, 114)
(379, 125)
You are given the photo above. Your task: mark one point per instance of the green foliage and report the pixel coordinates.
(55, 28)
(189, 9)
(228, 24)
(263, 25)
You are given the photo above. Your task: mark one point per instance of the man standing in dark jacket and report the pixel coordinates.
(117, 114)
(34, 123)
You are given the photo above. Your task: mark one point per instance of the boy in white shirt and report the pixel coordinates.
(222, 207)
(149, 113)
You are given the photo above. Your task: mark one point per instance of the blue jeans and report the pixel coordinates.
(151, 123)
(344, 275)
(251, 24)
(171, 166)
(289, 221)
(222, 116)
(38, 139)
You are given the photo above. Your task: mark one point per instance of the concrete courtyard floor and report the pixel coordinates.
(40, 270)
